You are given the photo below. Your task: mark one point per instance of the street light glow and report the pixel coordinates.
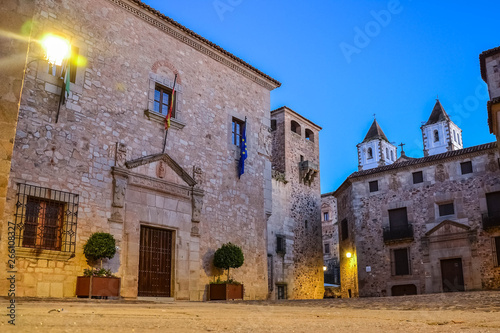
(56, 49)
(324, 268)
(348, 254)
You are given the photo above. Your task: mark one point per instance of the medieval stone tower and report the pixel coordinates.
(295, 256)
(439, 133)
(375, 150)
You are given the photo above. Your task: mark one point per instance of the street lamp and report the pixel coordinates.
(324, 268)
(56, 49)
(348, 254)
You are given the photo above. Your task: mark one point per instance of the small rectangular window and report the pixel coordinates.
(162, 100)
(466, 167)
(398, 219)
(344, 229)
(418, 177)
(237, 131)
(493, 204)
(446, 209)
(325, 216)
(280, 244)
(373, 186)
(327, 248)
(281, 291)
(273, 124)
(401, 262)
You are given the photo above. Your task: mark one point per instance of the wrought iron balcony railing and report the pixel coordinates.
(403, 233)
(491, 221)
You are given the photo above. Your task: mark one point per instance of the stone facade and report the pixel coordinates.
(294, 228)
(490, 72)
(446, 213)
(330, 231)
(106, 150)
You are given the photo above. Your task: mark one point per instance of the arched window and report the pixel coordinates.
(309, 135)
(370, 153)
(295, 127)
(387, 152)
(392, 155)
(458, 137)
(436, 136)
(454, 135)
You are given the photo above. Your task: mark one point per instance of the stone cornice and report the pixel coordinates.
(301, 117)
(197, 42)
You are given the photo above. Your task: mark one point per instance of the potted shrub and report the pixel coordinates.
(226, 257)
(98, 282)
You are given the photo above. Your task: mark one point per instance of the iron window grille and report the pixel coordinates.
(466, 167)
(46, 219)
(446, 209)
(280, 244)
(373, 186)
(418, 177)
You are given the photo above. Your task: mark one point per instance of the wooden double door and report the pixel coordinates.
(155, 262)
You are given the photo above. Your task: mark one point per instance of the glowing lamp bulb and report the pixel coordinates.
(56, 49)
(324, 268)
(348, 254)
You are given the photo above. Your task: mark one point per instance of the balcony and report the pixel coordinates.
(491, 221)
(400, 234)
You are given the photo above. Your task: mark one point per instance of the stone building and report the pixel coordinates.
(294, 228)
(330, 231)
(97, 160)
(490, 72)
(422, 225)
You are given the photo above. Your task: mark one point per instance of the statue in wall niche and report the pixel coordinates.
(120, 186)
(492, 165)
(394, 183)
(197, 205)
(160, 169)
(440, 173)
(198, 176)
(121, 155)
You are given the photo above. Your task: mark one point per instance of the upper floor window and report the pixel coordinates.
(436, 136)
(280, 244)
(373, 186)
(446, 209)
(327, 248)
(466, 167)
(493, 204)
(295, 127)
(273, 124)
(163, 99)
(392, 155)
(370, 153)
(46, 219)
(418, 177)
(237, 131)
(325, 216)
(454, 135)
(398, 219)
(309, 135)
(344, 229)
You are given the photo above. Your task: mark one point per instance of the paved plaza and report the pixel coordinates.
(452, 312)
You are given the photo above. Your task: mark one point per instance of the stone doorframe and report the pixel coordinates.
(122, 176)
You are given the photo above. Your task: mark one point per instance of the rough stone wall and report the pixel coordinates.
(106, 106)
(348, 266)
(15, 25)
(330, 229)
(443, 183)
(305, 209)
(492, 64)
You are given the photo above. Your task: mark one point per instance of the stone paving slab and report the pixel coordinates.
(458, 312)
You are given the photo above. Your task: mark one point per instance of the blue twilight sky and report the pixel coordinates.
(341, 61)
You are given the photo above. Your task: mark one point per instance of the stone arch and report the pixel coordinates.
(436, 136)
(164, 63)
(309, 135)
(370, 153)
(295, 127)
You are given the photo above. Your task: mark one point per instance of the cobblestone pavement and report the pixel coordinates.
(454, 312)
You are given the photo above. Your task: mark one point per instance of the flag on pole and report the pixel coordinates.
(169, 114)
(243, 151)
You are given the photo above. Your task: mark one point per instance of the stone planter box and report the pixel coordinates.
(87, 286)
(225, 291)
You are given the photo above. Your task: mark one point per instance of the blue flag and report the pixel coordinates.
(243, 152)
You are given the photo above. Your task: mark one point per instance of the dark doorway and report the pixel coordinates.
(452, 275)
(404, 289)
(155, 262)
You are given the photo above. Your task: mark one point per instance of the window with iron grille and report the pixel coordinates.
(327, 248)
(446, 209)
(418, 177)
(237, 131)
(280, 244)
(281, 291)
(46, 219)
(466, 167)
(401, 262)
(373, 186)
(344, 229)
